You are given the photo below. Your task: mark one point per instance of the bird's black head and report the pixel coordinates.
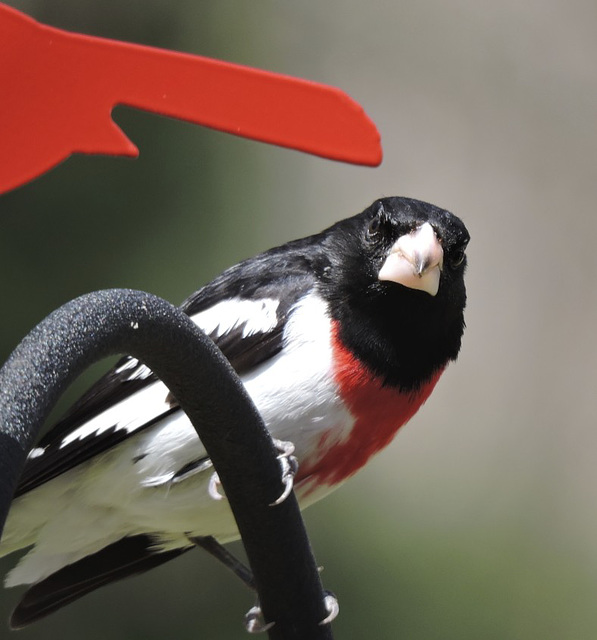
(394, 278)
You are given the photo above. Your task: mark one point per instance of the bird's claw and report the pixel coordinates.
(289, 465)
(254, 622)
(214, 487)
(331, 606)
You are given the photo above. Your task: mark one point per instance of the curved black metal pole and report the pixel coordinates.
(166, 340)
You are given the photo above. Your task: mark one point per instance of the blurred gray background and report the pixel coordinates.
(480, 520)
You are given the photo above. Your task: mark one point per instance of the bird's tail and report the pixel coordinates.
(127, 557)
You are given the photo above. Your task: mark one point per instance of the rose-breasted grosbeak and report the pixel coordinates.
(339, 338)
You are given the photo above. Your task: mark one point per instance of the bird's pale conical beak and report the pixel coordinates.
(415, 260)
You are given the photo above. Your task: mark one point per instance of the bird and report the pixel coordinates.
(339, 338)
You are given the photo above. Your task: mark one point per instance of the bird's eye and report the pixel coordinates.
(373, 228)
(457, 258)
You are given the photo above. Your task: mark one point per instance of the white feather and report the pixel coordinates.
(255, 316)
(127, 414)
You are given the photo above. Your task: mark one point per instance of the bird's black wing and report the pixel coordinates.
(244, 311)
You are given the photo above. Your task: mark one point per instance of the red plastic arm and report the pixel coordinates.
(58, 90)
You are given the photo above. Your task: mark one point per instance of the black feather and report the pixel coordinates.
(124, 558)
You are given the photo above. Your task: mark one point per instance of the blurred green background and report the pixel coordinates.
(480, 520)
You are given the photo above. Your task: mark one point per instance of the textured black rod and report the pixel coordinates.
(122, 321)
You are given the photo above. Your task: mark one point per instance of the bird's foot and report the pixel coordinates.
(331, 606)
(289, 465)
(213, 488)
(254, 622)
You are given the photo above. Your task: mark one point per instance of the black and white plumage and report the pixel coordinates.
(338, 338)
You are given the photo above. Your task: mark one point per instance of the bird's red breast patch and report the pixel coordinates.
(378, 412)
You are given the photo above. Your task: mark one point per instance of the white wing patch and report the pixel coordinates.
(139, 370)
(129, 414)
(254, 316)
